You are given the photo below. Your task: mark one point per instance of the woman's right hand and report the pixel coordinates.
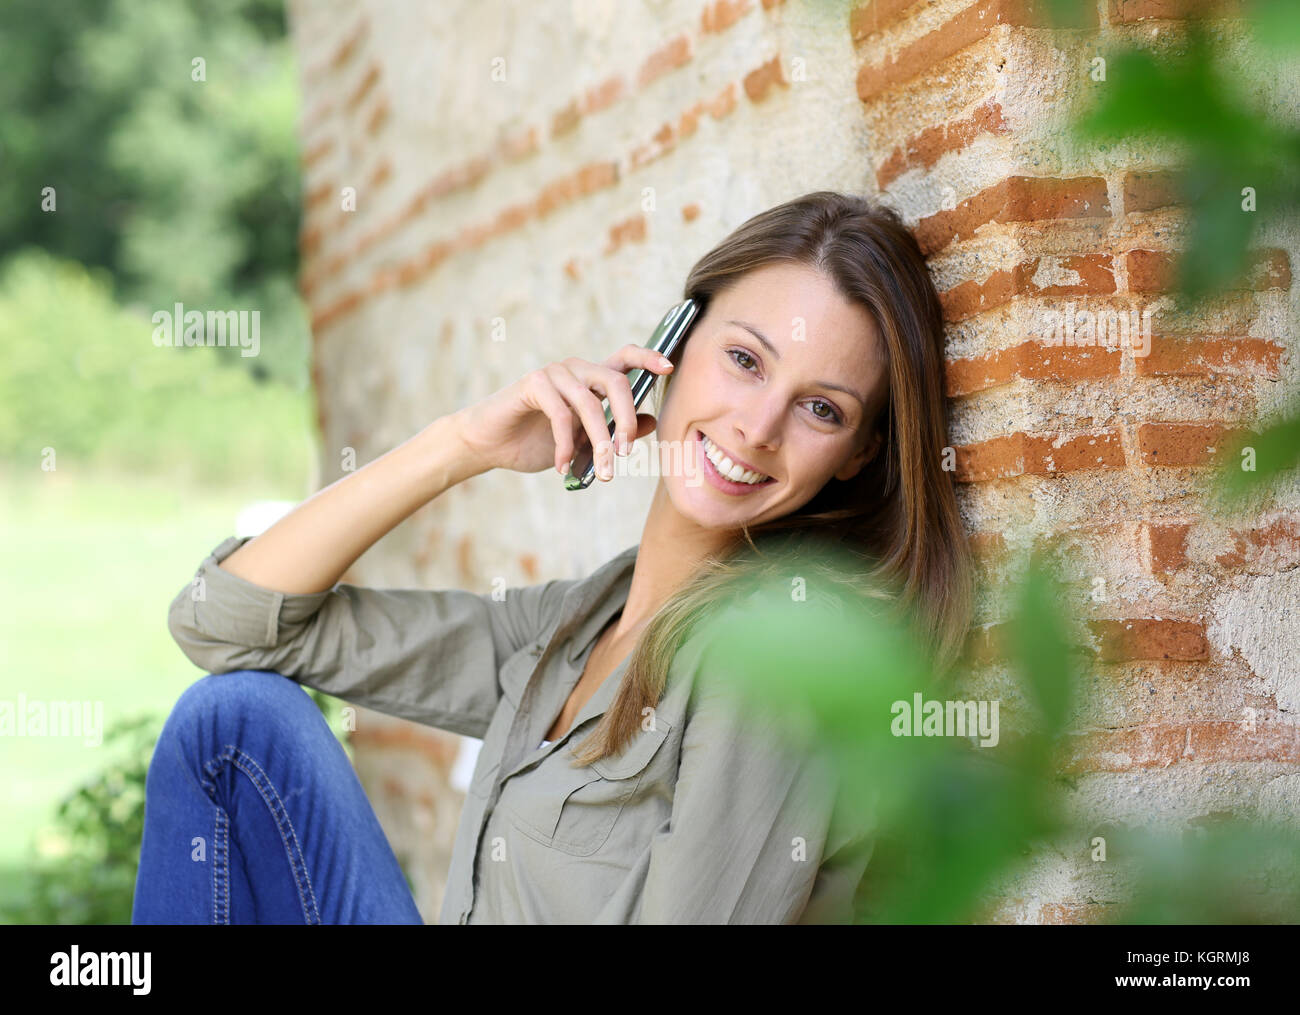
(535, 423)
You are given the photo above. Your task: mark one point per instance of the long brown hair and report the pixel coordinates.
(898, 516)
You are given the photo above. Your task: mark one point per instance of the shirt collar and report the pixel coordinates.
(587, 607)
(589, 604)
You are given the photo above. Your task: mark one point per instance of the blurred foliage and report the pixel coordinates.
(81, 375)
(1214, 105)
(1226, 872)
(167, 189)
(1193, 95)
(99, 829)
(950, 819)
(184, 191)
(1253, 460)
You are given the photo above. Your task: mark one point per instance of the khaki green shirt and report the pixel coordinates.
(701, 819)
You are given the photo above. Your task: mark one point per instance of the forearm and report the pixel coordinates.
(310, 548)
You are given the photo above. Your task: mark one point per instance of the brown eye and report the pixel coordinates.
(736, 353)
(834, 416)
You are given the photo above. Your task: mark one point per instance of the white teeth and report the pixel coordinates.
(726, 467)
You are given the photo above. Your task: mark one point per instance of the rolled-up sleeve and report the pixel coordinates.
(429, 655)
(753, 826)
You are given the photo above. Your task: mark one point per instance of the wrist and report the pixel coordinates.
(449, 456)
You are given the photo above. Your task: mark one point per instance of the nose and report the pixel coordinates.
(758, 425)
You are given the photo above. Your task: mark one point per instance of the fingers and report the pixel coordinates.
(615, 368)
(630, 357)
(573, 386)
(557, 411)
(590, 412)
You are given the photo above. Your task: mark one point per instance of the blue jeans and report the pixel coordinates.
(254, 814)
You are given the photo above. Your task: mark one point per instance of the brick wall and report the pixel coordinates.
(534, 181)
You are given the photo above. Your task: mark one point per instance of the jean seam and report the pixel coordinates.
(297, 863)
(221, 869)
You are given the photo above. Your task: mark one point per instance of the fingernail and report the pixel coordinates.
(665, 361)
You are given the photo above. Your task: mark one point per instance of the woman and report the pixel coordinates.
(615, 784)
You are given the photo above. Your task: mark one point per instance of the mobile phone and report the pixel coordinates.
(670, 333)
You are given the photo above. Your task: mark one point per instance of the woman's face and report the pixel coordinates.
(793, 405)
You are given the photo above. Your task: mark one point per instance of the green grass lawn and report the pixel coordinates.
(91, 561)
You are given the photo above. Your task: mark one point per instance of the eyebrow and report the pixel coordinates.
(772, 349)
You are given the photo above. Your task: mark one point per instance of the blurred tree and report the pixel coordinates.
(185, 190)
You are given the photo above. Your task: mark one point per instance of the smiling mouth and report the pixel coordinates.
(746, 476)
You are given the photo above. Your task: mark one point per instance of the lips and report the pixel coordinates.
(700, 435)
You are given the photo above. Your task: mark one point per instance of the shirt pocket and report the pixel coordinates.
(574, 810)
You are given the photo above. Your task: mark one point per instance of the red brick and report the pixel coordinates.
(363, 89)
(985, 644)
(309, 241)
(1127, 12)
(596, 176)
(1022, 454)
(1030, 361)
(1150, 190)
(1206, 357)
(1270, 269)
(986, 545)
(520, 144)
(317, 152)
(1274, 545)
(722, 14)
(1015, 199)
(603, 95)
(763, 79)
(672, 55)
(343, 305)
(1181, 444)
(1150, 639)
(1164, 545)
(566, 120)
(875, 15)
(923, 150)
(380, 175)
(689, 120)
(966, 28)
(724, 102)
(378, 118)
(969, 298)
(631, 230)
(1152, 271)
(318, 195)
(348, 49)
(1160, 745)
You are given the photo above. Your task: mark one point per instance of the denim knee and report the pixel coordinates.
(246, 695)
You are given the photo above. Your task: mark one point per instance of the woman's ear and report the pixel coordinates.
(855, 464)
